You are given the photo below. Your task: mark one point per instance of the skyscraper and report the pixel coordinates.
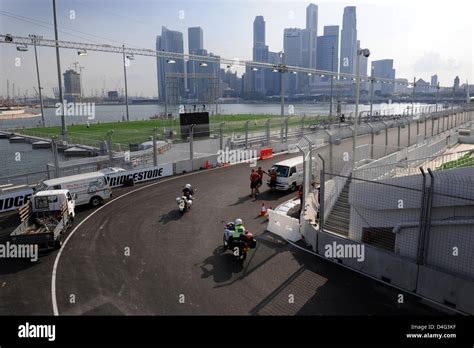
(260, 54)
(195, 39)
(456, 82)
(72, 85)
(312, 28)
(363, 62)
(434, 80)
(384, 69)
(328, 49)
(348, 40)
(170, 41)
(292, 43)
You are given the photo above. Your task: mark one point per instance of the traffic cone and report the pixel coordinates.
(207, 165)
(263, 211)
(266, 213)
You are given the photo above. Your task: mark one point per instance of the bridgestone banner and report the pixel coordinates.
(139, 175)
(14, 200)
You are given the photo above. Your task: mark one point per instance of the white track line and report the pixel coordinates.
(56, 261)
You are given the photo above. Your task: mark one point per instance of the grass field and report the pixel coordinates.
(140, 131)
(465, 161)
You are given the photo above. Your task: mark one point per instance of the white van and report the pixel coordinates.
(289, 173)
(88, 188)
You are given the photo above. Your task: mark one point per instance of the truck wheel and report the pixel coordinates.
(95, 201)
(293, 187)
(58, 243)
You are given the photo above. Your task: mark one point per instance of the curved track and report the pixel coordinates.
(175, 259)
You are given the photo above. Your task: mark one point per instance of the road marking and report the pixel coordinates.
(58, 256)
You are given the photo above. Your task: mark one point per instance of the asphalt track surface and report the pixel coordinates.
(175, 258)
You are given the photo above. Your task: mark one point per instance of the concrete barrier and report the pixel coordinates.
(283, 226)
(447, 289)
(378, 263)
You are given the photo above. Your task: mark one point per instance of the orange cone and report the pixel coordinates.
(263, 211)
(266, 213)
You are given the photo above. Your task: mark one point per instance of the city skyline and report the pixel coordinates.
(444, 65)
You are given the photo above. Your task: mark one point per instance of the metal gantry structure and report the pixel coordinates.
(128, 51)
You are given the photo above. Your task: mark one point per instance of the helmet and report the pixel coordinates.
(188, 186)
(238, 222)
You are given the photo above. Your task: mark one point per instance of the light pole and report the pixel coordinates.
(58, 65)
(366, 53)
(371, 90)
(332, 81)
(125, 60)
(34, 38)
(168, 61)
(413, 97)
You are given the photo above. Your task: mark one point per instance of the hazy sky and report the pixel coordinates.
(422, 36)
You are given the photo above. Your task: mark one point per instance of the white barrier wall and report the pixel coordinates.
(283, 226)
(139, 175)
(446, 289)
(377, 263)
(14, 200)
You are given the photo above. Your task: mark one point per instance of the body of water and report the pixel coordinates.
(112, 113)
(35, 160)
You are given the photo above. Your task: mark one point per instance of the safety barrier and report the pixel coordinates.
(283, 225)
(266, 153)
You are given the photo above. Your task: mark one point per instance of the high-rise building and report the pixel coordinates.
(292, 43)
(170, 41)
(328, 49)
(195, 39)
(273, 79)
(348, 41)
(434, 80)
(312, 32)
(260, 54)
(363, 62)
(72, 85)
(456, 82)
(384, 69)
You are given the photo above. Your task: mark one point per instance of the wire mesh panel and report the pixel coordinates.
(450, 241)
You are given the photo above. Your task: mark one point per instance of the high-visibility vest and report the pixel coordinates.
(239, 230)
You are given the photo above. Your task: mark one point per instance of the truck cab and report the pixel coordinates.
(45, 219)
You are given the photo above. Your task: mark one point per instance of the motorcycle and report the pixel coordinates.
(239, 247)
(184, 203)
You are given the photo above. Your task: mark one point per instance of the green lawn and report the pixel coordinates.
(465, 161)
(140, 131)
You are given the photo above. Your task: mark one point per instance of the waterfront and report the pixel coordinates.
(35, 160)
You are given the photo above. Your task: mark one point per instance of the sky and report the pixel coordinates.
(422, 37)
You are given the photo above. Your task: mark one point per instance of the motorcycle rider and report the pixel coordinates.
(188, 190)
(188, 193)
(238, 231)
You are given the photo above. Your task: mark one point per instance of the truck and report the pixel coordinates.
(89, 188)
(45, 218)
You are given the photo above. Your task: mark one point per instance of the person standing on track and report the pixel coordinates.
(273, 180)
(260, 179)
(253, 183)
